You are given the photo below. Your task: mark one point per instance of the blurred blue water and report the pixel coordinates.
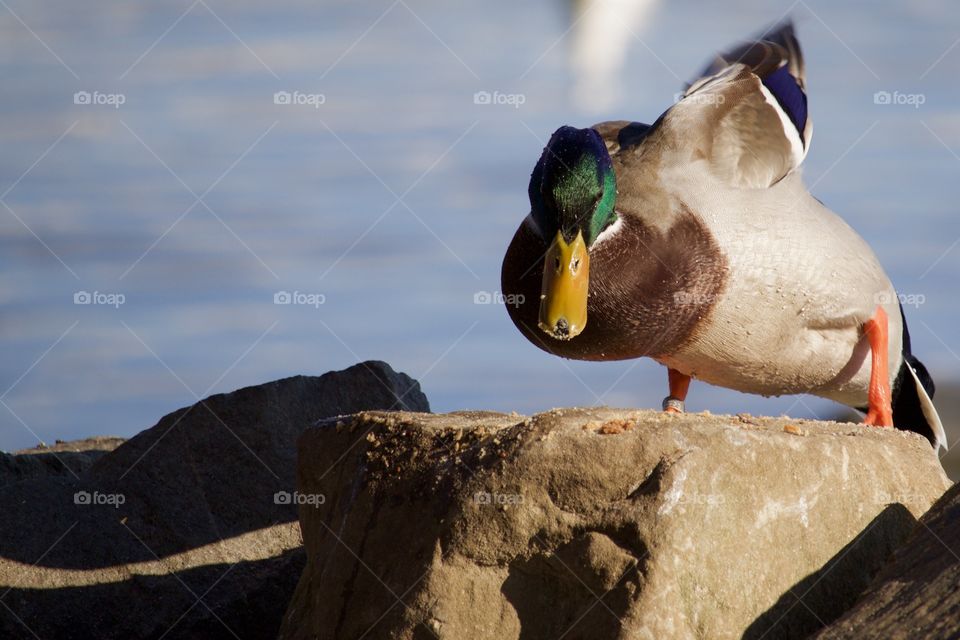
(305, 199)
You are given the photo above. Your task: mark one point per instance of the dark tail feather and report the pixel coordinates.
(912, 391)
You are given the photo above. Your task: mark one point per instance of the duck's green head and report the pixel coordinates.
(573, 191)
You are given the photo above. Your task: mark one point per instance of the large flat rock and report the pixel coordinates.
(178, 532)
(598, 523)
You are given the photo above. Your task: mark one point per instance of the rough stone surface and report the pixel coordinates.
(947, 400)
(597, 523)
(61, 459)
(917, 595)
(180, 535)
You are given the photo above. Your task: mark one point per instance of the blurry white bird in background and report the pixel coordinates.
(600, 37)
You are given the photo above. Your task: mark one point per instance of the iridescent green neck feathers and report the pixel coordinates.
(573, 188)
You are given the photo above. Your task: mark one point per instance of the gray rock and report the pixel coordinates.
(947, 400)
(178, 532)
(917, 595)
(597, 523)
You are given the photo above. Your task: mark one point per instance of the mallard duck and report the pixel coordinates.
(693, 241)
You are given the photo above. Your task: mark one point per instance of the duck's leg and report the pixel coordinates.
(679, 384)
(879, 413)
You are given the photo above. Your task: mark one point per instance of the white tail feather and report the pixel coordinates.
(929, 411)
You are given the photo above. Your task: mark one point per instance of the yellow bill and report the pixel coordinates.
(566, 279)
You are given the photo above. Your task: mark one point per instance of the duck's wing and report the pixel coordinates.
(746, 115)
